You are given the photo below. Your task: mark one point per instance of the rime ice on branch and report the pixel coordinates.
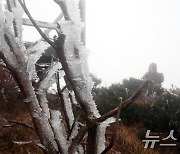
(59, 130)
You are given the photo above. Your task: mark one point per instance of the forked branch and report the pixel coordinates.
(77, 139)
(126, 103)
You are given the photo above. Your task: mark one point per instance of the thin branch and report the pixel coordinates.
(63, 8)
(73, 125)
(46, 32)
(77, 139)
(14, 22)
(60, 94)
(126, 103)
(40, 24)
(35, 25)
(22, 142)
(30, 142)
(18, 123)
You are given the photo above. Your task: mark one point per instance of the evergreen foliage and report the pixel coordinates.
(157, 109)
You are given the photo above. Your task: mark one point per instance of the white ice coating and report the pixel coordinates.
(74, 101)
(51, 72)
(10, 17)
(72, 7)
(73, 10)
(74, 130)
(76, 58)
(22, 142)
(101, 134)
(59, 130)
(18, 13)
(33, 53)
(4, 48)
(15, 15)
(68, 107)
(44, 86)
(75, 54)
(7, 19)
(2, 16)
(69, 111)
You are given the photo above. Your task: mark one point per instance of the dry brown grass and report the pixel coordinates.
(127, 141)
(17, 111)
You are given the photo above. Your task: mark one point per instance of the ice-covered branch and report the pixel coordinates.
(43, 85)
(114, 134)
(19, 123)
(66, 105)
(73, 57)
(31, 142)
(70, 10)
(14, 57)
(33, 53)
(77, 139)
(60, 134)
(126, 103)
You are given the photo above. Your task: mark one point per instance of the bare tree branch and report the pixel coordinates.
(126, 103)
(30, 142)
(18, 123)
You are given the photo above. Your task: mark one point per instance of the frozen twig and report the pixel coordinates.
(18, 123)
(61, 96)
(77, 139)
(30, 142)
(73, 125)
